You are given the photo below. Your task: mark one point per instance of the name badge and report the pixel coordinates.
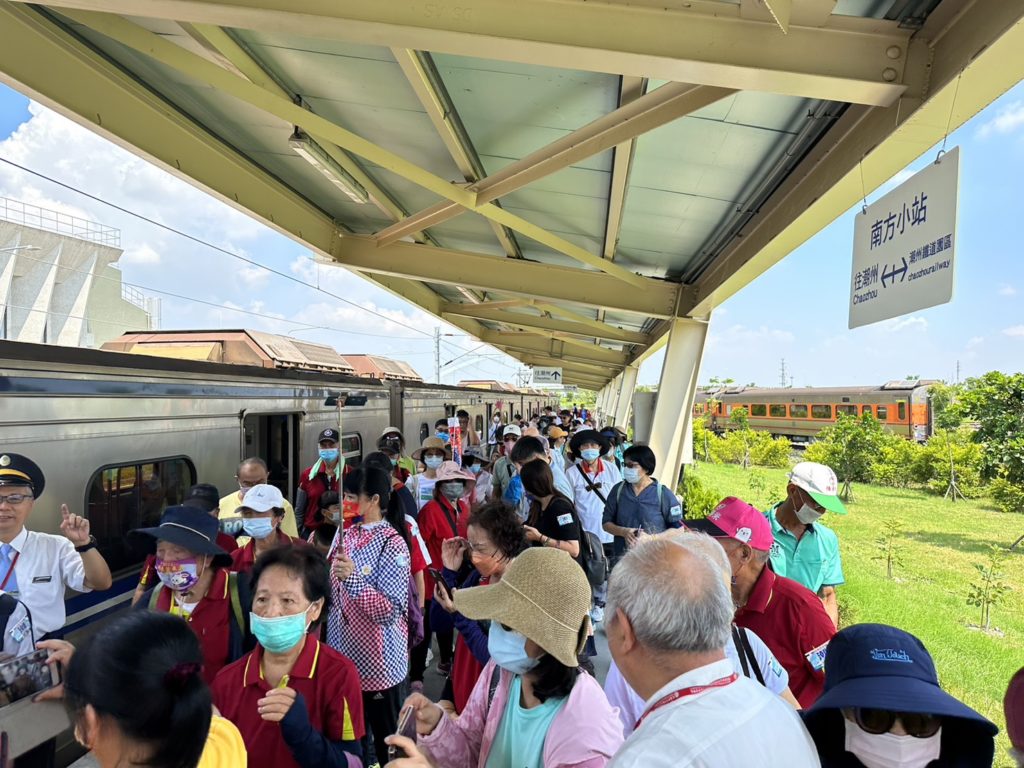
(816, 657)
(564, 519)
(675, 513)
(42, 579)
(20, 630)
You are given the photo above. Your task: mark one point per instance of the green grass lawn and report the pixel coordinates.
(928, 596)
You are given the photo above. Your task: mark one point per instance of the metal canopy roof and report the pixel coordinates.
(557, 177)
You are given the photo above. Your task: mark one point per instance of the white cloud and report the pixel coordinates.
(139, 254)
(975, 341)
(896, 180)
(1014, 330)
(253, 276)
(1009, 119)
(911, 323)
(1005, 289)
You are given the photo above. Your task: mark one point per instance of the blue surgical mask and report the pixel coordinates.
(394, 462)
(631, 474)
(433, 462)
(282, 633)
(453, 491)
(444, 436)
(508, 649)
(330, 455)
(258, 527)
(590, 455)
(476, 469)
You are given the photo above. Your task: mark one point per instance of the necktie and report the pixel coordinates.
(7, 568)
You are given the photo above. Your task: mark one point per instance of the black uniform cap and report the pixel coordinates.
(16, 469)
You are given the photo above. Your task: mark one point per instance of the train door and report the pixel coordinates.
(274, 437)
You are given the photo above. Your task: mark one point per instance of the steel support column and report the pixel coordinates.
(624, 395)
(673, 415)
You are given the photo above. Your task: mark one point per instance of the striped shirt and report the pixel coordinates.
(369, 621)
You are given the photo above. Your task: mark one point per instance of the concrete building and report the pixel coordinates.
(59, 283)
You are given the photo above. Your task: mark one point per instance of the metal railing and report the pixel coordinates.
(60, 223)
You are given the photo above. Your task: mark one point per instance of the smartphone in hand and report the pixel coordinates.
(407, 728)
(439, 579)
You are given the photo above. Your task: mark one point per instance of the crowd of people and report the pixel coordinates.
(270, 636)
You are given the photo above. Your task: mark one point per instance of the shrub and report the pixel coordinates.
(1007, 496)
(699, 499)
(932, 467)
(767, 451)
(896, 462)
(822, 453)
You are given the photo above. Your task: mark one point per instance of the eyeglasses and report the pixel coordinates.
(878, 721)
(481, 550)
(246, 486)
(15, 498)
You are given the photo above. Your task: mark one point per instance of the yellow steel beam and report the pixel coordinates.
(426, 83)
(630, 89)
(530, 342)
(983, 43)
(488, 312)
(587, 369)
(224, 45)
(142, 40)
(508, 276)
(657, 108)
(848, 59)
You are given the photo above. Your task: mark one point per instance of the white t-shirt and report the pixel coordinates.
(589, 506)
(422, 489)
(739, 724)
(631, 706)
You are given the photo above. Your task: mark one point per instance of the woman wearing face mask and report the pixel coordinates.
(134, 695)
(262, 511)
(474, 462)
(432, 453)
(369, 619)
(494, 538)
(324, 475)
(532, 706)
(296, 701)
(552, 520)
(883, 708)
(196, 585)
(443, 518)
(639, 504)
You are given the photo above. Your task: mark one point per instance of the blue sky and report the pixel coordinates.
(797, 310)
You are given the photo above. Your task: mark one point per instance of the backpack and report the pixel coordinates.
(592, 557)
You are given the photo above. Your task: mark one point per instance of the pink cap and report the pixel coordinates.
(733, 518)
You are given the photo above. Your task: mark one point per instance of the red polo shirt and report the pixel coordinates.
(793, 624)
(328, 682)
(242, 559)
(210, 623)
(315, 487)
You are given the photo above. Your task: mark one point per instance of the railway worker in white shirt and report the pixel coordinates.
(37, 567)
(699, 712)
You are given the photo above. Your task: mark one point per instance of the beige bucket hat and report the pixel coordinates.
(543, 595)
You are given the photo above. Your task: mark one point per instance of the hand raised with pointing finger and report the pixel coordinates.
(74, 527)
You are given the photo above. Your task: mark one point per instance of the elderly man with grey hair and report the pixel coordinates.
(748, 653)
(670, 620)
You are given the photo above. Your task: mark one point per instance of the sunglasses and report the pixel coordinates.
(878, 721)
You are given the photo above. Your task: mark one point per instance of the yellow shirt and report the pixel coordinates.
(231, 502)
(224, 746)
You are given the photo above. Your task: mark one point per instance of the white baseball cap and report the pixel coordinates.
(512, 429)
(820, 482)
(262, 498)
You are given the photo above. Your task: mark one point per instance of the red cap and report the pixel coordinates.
(735, 519)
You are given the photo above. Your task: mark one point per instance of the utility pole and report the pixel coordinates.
(957, 371)
(782, 373)
(437, 355)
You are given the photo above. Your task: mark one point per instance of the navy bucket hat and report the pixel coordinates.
(191, 528)
(876, 666)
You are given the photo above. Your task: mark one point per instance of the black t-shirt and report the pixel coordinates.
(558, 521)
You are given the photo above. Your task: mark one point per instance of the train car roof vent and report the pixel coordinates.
(902, 384)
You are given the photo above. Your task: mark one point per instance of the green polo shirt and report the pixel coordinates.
(813, 560)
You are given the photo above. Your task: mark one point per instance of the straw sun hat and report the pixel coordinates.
(543, 595)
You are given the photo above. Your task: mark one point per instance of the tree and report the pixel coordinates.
(943, 397)
(990, 589)
(888, 547)
(850, 446)
(741, 428)
(995, 402)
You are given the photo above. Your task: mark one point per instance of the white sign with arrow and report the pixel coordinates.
(904, 246)
(547, 375)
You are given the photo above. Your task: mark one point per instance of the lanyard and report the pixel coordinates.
(10, 570)
(684, 692)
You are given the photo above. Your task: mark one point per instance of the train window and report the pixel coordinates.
(883, 412)
(849, 410)
(719, 409)
(352, 448)
(821, 411)
(777, 411)
(424, 432)
(758, 410)
(127, 496)
(478, 424)
(798, 411)
(865, 409)
(901, 411)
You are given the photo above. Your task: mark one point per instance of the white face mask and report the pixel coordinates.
(887, 750)
(808, 514)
